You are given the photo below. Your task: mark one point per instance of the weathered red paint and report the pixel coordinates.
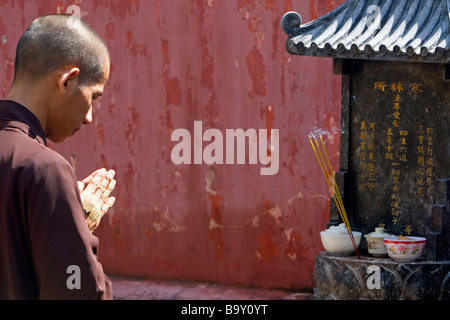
(223, 63)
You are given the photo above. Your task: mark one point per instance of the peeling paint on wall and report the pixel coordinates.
(215, 232)
(223, 63)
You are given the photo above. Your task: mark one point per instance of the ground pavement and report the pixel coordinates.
(143, 289)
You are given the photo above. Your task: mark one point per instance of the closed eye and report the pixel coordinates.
(96, 96)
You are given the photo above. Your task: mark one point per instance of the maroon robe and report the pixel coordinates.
(46, 248)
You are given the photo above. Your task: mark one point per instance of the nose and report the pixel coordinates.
(88, 117)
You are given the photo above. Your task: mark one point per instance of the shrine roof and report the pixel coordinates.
(398, 30)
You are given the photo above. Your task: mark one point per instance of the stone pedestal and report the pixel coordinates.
(350, 278)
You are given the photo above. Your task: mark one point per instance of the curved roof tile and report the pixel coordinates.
(404, 30)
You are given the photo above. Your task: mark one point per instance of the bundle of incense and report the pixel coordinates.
(328, 173)
(90, 211)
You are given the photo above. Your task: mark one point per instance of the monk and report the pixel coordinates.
(47, 248)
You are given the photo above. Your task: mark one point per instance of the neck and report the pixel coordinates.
(31, 98)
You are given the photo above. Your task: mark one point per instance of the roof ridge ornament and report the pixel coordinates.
(290, 23)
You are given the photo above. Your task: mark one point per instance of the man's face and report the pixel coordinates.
(75, 109)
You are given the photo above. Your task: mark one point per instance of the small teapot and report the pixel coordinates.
(375, 242)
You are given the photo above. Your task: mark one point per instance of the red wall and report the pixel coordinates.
(223, 63)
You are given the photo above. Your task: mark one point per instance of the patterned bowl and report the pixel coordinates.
(404, 250)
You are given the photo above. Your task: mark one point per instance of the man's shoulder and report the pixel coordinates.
(47, 160)
(26, 156)
(50, 171)
(39, 158)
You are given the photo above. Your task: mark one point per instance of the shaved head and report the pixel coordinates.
(53, 41)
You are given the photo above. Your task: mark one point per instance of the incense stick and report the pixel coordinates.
(328, 173)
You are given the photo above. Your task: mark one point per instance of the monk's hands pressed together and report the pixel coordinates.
(95, 195)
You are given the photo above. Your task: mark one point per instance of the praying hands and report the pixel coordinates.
(95, 195)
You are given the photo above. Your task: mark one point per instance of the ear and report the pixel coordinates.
(66, 77)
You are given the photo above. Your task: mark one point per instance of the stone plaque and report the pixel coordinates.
(399, 145)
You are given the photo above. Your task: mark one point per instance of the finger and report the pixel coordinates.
(96, 224)
(100, 197)
(103, 184)
(80, 186)
(89, 223)
(108, 176)
(89, 179)
(109, 189)
(92, 225)
(97, 200)
(91, 188)
(95, 216)
(89, 191)
(108, 204)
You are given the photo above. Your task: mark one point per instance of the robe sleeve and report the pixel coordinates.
(63, 250)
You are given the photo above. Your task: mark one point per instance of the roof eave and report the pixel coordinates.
(440, 55)
(391, 41)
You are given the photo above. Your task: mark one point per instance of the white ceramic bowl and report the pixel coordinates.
(404, 250)
(340, 244)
